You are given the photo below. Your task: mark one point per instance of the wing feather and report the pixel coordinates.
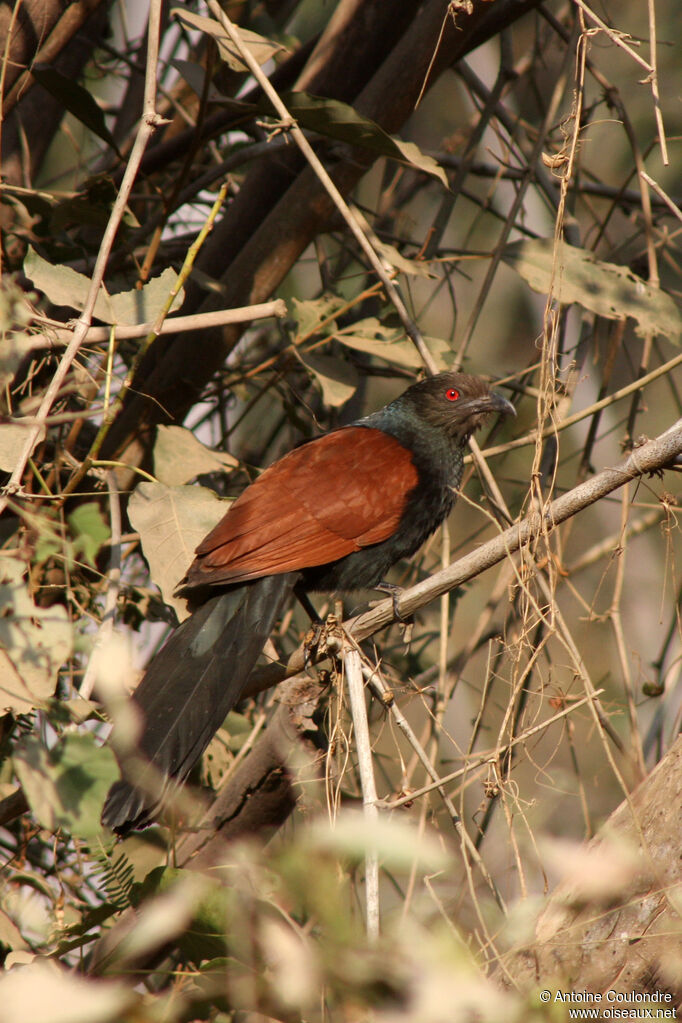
(317, 504)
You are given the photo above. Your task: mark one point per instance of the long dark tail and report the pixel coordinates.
(190, 687)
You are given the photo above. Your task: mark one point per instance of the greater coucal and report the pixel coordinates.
(334, 515)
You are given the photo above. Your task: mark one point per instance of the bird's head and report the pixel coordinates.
(454, 403)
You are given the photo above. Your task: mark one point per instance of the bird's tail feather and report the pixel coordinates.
(191, 686)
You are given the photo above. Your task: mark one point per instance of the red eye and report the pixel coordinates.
(452, 394)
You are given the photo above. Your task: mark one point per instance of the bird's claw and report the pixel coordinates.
(406, 622)
(395, 592)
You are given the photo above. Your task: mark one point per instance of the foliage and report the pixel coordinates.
(507, 166)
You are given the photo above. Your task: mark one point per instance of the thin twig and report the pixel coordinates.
(376, 683)
(653, 78)
(670, 203)
(635, 744)
(174, 325)
(113, 588)
(352, 665)
(485, 758)
(117, 405)
(577, 417)
(616, 37)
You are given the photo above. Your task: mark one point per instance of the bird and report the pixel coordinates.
(332, 515)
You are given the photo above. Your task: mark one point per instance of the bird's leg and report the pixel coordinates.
(314, 635)
(395, 593)
(307, 604)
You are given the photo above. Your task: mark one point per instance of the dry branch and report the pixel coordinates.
(651, 457)
(175, 324)
(261, 793)
(53, 25)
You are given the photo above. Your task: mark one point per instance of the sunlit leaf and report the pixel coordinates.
(66, 287)
(15, 341)
(371, 337)
(414, 267)
(12, 439)
(259, 47)
(10, 935)
(607, 289)
(179, 456)
(43, 992)
(171, 522)
(337, 378)
(34, 642)
(398, 844)
(310, 314)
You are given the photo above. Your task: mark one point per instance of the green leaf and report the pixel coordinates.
(66, 786)
(260, 48)
(607, 289)
(64, 286)
(337, 120)
(89, 529)
(77, 100)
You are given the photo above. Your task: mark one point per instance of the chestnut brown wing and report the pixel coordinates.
(318, 503)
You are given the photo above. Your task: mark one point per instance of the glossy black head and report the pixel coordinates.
(456, 403)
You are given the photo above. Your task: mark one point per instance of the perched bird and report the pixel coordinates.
(332, 515)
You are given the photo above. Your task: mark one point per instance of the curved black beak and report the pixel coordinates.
(500, 404)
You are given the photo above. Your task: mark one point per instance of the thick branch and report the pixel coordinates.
(39, 32)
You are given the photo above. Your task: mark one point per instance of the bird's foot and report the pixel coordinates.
(395, 592)
(406, 622)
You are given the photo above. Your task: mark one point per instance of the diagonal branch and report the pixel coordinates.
(651, 457)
